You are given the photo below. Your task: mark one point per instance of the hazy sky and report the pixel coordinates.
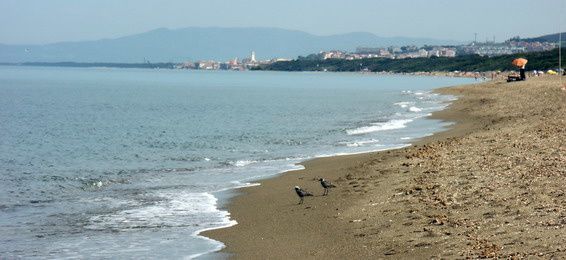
(46, 21)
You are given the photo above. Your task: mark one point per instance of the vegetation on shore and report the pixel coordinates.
(537, 60)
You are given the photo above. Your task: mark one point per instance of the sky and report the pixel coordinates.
(42, 21)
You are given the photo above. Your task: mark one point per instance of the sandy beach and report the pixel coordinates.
(490, 186)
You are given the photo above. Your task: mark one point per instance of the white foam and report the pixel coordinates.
(177, 209)
(188, 210)
(404, 104)
(242, 163)
(375, 127)
(360, 143)
(415, 109)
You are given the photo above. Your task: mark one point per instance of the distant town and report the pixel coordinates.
(473, 57)
(235, 64)
(487, 49)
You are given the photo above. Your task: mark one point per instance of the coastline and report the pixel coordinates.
(483, 75)
(457, 193)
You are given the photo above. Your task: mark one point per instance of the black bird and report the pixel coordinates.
(326, 185)
(302, 193)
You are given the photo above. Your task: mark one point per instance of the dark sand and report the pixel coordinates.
(491, 186)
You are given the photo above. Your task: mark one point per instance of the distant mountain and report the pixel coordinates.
(546, 38)
(199, 43)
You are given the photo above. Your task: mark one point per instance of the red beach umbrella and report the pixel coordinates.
(520, 62)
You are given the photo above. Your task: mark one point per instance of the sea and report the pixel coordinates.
(135, 163)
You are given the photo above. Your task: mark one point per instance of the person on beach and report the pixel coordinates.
(522, 73)
(519, 63)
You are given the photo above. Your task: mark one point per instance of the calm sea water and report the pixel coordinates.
(120, 163)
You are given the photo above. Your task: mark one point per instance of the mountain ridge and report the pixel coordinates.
(200, 43)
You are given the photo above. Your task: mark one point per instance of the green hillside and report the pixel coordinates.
(537, 60)
(547, 38)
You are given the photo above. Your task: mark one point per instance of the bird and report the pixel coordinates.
(301, 193)
(326, 185)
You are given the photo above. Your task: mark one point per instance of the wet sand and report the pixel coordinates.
(490, 186)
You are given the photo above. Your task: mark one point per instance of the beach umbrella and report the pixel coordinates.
(520, 62)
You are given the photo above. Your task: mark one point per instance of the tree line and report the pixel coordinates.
(537, 61)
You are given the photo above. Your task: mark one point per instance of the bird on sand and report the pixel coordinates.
(326, 185)
(301, 193)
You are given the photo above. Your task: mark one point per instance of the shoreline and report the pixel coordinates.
(235, 192)
(300, 166)
(453, 74)
(408, 202)
(312, 162)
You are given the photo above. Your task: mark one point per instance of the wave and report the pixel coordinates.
(403, 104)
(415, 109)
(174, 209)
(198, 212)
(236, 163)
(359, 143)
(242, 163)
(376, 127)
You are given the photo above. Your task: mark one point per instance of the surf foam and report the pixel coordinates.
(376, 127)
(415, 109)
